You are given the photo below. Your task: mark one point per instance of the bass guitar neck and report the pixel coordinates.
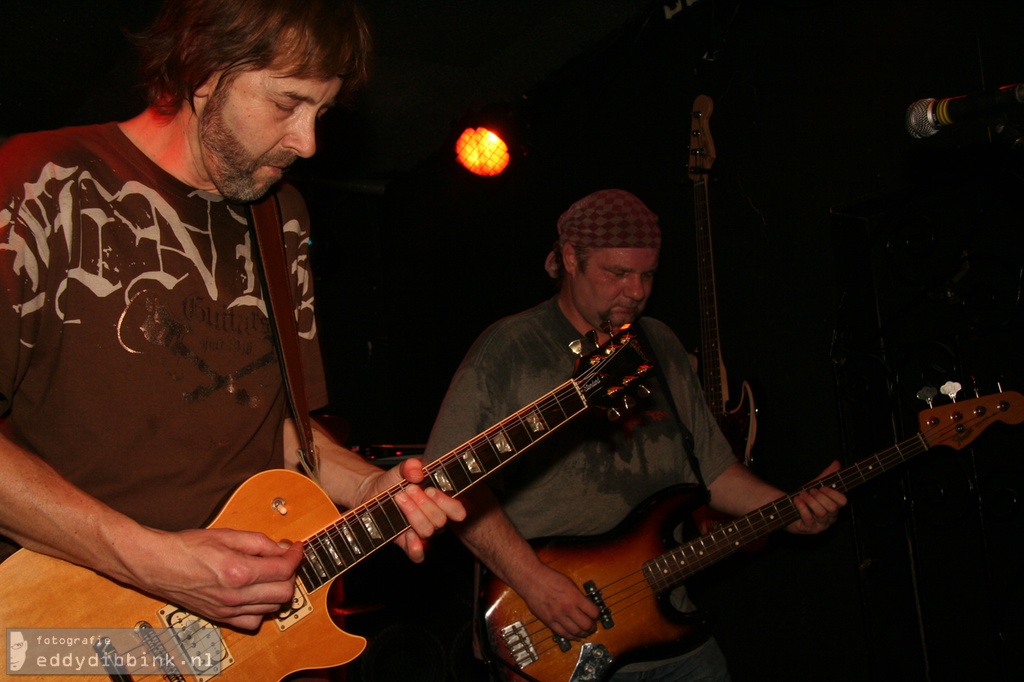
(738, 423)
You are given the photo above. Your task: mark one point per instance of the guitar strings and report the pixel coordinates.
(320, 567)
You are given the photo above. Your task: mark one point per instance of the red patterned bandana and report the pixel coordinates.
(610, 218)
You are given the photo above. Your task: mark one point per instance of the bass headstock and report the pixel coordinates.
(702, 147)
(958, 423)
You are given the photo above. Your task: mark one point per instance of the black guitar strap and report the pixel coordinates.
(688, 442)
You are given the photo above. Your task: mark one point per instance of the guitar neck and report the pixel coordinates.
(372, 525)
(672, 568)
(711, 368)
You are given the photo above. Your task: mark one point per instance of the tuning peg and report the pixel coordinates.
(643, 391)
(927, 394)
(614, 414)
(628, 402)
(950, 389)
(576, 346)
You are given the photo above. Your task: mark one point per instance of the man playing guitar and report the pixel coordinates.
(588, 476)
(139, 381)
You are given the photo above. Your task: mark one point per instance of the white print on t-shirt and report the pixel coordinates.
(166, 248)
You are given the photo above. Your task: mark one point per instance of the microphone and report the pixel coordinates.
(926, 116)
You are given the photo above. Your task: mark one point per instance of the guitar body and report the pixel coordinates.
(739, 425)
(38, 591)
(645, 624)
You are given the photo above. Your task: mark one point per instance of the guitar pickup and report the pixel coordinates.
(595, 596)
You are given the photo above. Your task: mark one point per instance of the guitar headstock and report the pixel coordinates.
(959, 423)
(702, 148)
(611, 376)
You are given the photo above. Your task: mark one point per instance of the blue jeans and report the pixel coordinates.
(706, 663)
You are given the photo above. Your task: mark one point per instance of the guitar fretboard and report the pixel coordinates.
(368, 527)
(711, 365)
(672, 568)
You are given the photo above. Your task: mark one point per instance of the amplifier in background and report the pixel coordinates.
(387, 455)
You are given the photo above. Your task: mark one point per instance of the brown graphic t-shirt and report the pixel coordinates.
(136, 355)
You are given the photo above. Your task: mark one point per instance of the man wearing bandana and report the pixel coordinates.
(586, 477)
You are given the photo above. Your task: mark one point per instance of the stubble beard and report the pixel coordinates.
(615, 321)
(232, 168)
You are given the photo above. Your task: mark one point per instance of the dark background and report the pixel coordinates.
(854, 265)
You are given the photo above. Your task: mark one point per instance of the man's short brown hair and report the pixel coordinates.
(190, 40)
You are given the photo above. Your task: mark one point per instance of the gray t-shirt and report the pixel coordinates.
(586, 477)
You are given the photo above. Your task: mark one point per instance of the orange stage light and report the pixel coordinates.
(482, 151)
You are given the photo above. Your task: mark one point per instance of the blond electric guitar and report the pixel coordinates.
(41, 596)
(629, 575)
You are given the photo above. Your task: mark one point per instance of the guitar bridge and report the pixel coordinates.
(199, 641)
(520, 646)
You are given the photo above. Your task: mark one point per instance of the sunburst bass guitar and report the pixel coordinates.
(629, 575)
(40, 592)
